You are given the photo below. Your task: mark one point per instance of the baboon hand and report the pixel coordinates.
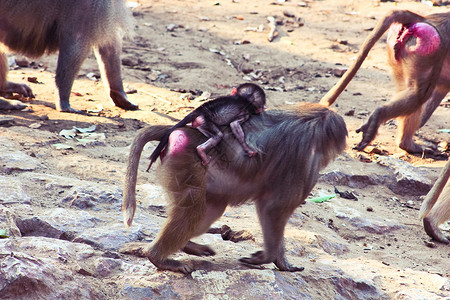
(18, 88)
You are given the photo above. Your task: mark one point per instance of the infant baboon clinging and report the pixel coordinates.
(245, 100)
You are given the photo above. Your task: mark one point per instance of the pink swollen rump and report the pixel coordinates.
(427, 39)
(178, 141)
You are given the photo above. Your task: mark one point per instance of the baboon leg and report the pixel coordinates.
(273, 220)
(186, 188)
(432, 104)
(407, 127)
(108, 58)
(72, 53)
(214, 210)
(180, 227)
(214, 135)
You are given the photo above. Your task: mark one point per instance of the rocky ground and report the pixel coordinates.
(61, 188)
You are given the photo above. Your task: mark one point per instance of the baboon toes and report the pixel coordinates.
(127, 105)
(199, 250)
(433, 231)
(257, 258)
(172, 265)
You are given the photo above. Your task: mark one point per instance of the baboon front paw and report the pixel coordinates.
(368, 136)
(361, 146)
(197, 249)
(19, 88)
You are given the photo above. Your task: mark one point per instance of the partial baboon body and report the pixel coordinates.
(73, 27)
(418, 52)
(293, 145)
(435, 209)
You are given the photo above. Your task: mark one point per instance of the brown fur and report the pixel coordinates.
(420, 83)
(277, 181)
(435, 209)
(73, 27)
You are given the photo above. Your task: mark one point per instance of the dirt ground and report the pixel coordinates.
(183, 49)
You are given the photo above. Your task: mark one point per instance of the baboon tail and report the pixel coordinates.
(145, 135)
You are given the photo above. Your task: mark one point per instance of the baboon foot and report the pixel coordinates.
(259, 258)
(411, 147)
(71, 110)
(120, 100)
(433, 231)
(172, 265)
(198, 250)
(283, 265)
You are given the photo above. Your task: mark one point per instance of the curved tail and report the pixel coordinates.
(397, 16)
(165, 139)
(435, 192)
(152, 133)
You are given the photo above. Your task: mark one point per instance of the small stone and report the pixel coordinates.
(350, 112)
(23, 62)
(339, 72)
(32, 79)
(171, 27)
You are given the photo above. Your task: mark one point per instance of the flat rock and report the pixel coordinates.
(91, 195)
(408, 180)
(12, 159)
(47, 274)
(363, 221)
(11, 191)
(110, 237)
(399, 176)
(67, 219)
